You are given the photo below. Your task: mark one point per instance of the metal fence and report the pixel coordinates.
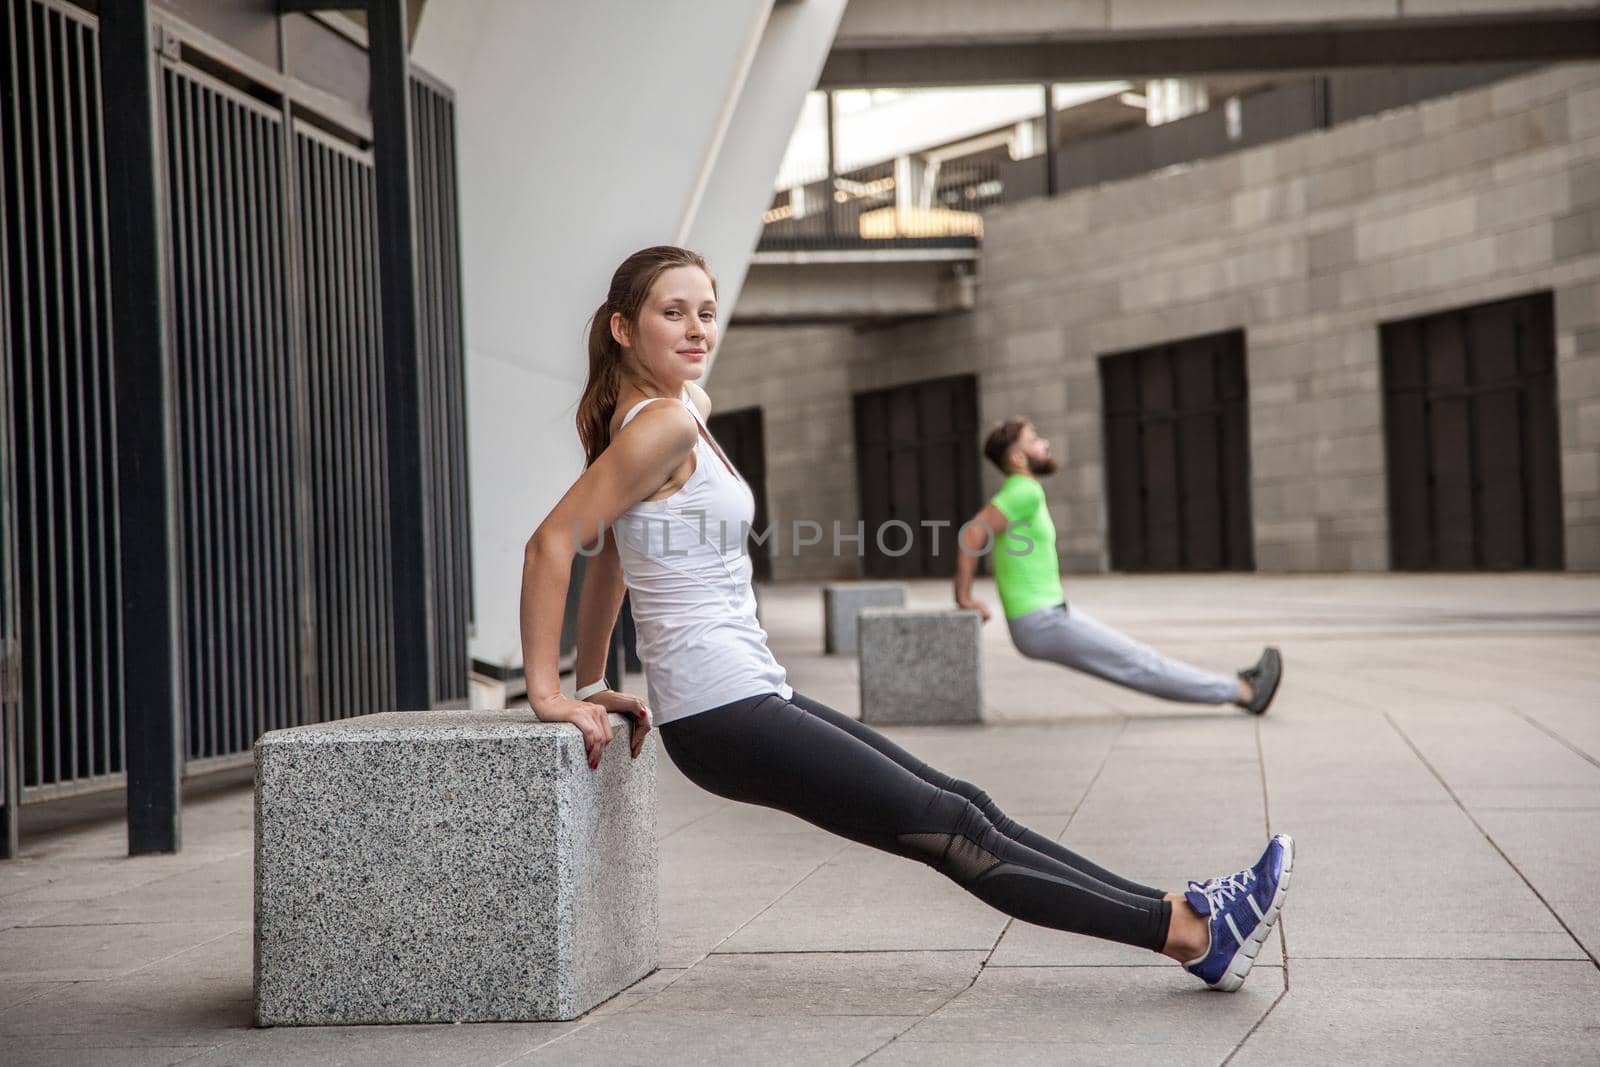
(444, 400)
(348, 536)
(278, 433)
(62, 577)
(233, 405)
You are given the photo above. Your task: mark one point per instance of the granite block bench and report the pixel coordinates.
(920, 665)
(843, 601)
(450, 866)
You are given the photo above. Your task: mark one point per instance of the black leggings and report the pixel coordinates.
(808, 760)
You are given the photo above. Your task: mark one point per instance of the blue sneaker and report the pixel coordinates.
(1243, 908)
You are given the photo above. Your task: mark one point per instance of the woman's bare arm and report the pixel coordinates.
(637, 463)
(598, 605)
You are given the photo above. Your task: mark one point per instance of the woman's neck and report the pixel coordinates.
(644, 388)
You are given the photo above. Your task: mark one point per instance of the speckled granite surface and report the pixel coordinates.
(450, 866)
(920, 665)
(841, 604)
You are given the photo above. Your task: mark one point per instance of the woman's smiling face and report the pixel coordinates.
(677, 327)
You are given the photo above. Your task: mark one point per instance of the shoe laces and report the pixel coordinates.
(1219, 892)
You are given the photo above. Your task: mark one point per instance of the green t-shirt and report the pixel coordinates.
(1025, 565)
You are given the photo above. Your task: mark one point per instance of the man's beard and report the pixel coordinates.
(1041, 467)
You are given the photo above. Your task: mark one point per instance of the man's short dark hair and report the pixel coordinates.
(1000, 440)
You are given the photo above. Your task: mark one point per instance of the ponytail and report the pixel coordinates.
(599, 400)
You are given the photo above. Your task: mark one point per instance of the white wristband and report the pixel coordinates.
(592, 688)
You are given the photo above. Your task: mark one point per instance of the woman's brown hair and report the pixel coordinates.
(630, 285)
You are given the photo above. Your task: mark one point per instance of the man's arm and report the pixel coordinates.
(978, 536)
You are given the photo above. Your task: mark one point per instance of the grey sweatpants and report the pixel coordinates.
(1067, 636)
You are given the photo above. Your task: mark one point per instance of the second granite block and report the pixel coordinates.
(843, 601)
(920, 666)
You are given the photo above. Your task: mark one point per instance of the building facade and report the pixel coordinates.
(1412, 300)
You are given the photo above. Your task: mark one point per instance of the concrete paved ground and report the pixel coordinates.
(1435, 751)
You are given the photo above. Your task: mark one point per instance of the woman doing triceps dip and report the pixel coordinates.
(677, 512)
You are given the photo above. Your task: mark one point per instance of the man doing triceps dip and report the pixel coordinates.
(1016, 529)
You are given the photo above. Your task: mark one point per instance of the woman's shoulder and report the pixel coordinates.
(653, 419)
(699, 398)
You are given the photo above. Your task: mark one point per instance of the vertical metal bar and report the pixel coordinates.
(1052, 177)
(181, 198)
(276, 226)
(233, 403)
(314, 251)
(445, 547)
(77, 381)
(281, 348)
(364, 382)
(422, 268)
(378, 422)
(302, 483)
(361, 531)
(57, 567)
(10, 637)
(204, 645)
(410, 521)
(105, 420)
(220, 403)
(145, 446)
(95, 477)
(343, 369)
(263, 394)
(257, 639)
(33, 574)
(272, 546)
(66, 350)
(458, 386)
(375, 634)
(447, 593)
(193, 363)
(257, 657)
(336, 584)
(212, 402)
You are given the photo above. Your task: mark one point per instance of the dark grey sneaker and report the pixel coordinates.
(1263, 679)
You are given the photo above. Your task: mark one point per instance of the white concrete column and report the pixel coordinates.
(588, 131)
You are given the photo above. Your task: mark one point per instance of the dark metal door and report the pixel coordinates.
(743, 439)
(916, 465)
(1471, 436)
(1178, 456)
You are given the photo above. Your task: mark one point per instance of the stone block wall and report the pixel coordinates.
(1309, 245)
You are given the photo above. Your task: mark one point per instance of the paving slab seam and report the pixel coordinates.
(1451, 959)
(1492, 842)
(840, 952)
(696, 822)
(1283, 941)
(1111, 747)
(188, 948)
(525, 1053)
(983, 964)
(1548, 732)
(774, 901)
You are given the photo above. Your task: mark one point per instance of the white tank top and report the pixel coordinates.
(688, 580)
